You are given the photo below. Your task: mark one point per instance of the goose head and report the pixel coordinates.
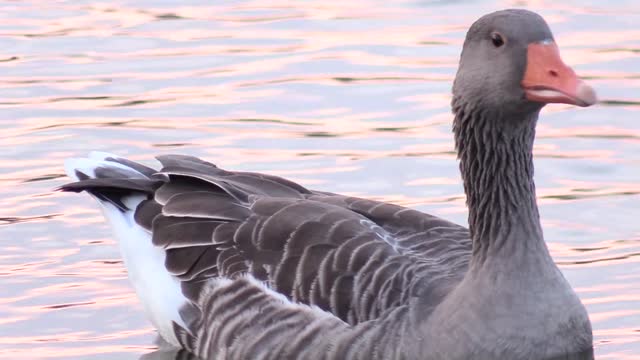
(510, 63)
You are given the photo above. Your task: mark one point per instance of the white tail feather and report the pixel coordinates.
(157, 289)
(96, 160)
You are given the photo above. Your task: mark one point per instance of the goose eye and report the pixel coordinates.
(497, 39)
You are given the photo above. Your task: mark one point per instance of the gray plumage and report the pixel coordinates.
(273, 270)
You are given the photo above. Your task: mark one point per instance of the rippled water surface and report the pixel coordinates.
(347, 96)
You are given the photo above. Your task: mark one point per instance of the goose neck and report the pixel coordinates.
(496, 162)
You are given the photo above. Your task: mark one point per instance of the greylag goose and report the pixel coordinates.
(240, 265)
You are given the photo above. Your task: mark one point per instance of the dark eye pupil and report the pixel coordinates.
(497, 39)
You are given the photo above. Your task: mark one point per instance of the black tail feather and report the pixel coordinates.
(114, 190)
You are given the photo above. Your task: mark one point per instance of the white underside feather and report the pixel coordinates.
(158, 291)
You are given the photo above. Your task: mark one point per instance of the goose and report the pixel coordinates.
(241, 265)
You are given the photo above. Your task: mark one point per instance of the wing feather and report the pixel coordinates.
(205, 204)
(171, 232)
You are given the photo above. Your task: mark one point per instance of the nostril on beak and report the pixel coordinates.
(553, 73)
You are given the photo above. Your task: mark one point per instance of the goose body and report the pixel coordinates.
(237, 265)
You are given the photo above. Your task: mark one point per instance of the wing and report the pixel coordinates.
(244, 319)
(412, 232)
(352, 257)
(356, 259)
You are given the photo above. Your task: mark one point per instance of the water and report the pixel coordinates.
(347, 96)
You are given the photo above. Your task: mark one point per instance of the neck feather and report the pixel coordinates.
(496, 162)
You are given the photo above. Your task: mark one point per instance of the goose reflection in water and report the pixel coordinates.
(181, 354)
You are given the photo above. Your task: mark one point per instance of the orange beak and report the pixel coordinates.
(548, 80)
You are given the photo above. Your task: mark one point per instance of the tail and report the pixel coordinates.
(110, 179)
(120, 186)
